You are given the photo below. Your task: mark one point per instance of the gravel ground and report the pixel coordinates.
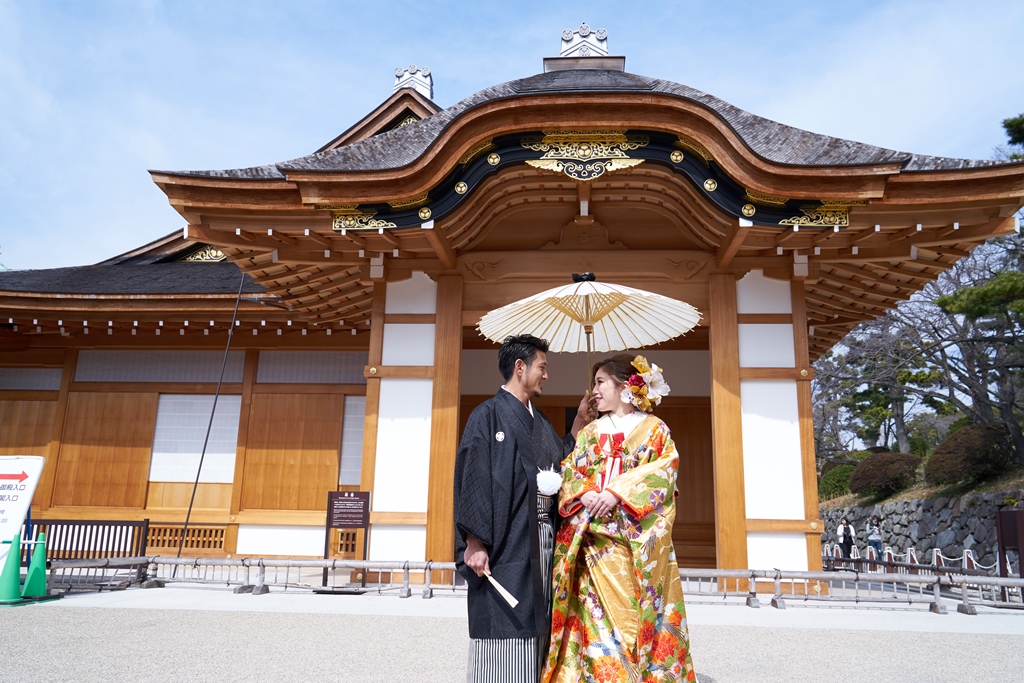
(194, 634)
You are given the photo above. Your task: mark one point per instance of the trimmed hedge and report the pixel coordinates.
(835, 482)
(883, 474)
(970, 454)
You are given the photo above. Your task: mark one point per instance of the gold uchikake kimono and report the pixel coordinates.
(618, 602)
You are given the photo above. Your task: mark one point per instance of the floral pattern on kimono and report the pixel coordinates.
(618, 602)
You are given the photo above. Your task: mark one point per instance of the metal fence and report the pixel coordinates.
(897, 587)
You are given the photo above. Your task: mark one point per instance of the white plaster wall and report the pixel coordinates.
(260, 539)
(408, 344)
(403, 445)
(687, 372)
(398, 542)
(756, 293)
(766, 346)
(772, 470)
(777, 550)
(418, 294)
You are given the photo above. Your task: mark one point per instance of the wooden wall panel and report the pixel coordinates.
(43, 498)
(693, 533)
(292, 451)
(176, 494)
(105, 450)
(25, 427)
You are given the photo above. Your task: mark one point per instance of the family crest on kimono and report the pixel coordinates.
(618, 612)
(503, 539)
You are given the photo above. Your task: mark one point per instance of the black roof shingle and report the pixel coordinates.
(769, 139)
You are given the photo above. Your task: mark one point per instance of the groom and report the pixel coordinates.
(506, 442)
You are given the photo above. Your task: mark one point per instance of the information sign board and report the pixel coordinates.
(348, 509)
(19, 475)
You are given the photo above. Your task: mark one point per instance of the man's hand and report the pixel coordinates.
(585, 414)
(476, 556)
(599, 504)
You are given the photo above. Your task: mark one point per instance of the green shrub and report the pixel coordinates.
(835, 482)
(883, 474)
(972, 453)
(860, 455)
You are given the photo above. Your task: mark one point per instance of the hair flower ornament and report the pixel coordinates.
(646, 387)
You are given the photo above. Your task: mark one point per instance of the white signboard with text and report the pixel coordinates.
(19, 475)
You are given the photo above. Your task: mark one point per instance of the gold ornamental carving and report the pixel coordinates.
(410, 203)
(354, 219)
(823, 216)
(424, 213)
(493, 158)
(406, 121)
(676, 156)
(461, 187)
(693, 146)
(208, 254)
(748, 210)
(710, 184)
(765, 199)
(585, 155)
(476, 150)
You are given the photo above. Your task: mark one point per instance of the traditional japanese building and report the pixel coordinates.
(363, 268)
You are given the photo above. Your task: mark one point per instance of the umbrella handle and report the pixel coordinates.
(588, 330)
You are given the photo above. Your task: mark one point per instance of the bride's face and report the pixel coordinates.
(607, 391)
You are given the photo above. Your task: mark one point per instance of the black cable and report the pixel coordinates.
(209, 426)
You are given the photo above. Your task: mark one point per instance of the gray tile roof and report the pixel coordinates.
(773, 141)
(154, 278)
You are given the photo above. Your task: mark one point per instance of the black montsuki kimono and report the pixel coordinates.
(496, 501)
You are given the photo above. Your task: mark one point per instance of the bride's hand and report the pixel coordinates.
(599, 504)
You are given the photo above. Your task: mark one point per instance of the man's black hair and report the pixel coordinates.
(523, 347)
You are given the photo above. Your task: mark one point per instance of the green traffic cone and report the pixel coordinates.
(10, 578)
(35, 581)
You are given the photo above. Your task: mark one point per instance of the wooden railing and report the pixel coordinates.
(201, 540)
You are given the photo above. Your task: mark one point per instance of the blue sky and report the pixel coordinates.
(92, 94)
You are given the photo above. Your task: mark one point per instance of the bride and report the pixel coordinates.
(618, 603)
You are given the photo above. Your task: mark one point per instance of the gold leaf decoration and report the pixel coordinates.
(208, 254)
(410, 203)
(695, 147)
(764, 199)
(354, 219)
(476, 150)
(585, 155)
(406, 121)
(825, 216)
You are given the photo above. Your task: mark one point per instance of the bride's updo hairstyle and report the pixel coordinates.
(619, 367)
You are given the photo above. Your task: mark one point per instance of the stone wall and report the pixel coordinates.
(950, 524)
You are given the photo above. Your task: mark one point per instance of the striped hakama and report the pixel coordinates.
(503, 660)
(517, 660)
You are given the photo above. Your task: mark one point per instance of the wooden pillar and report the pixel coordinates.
(44, 491)
(241, 448)
(726, 418)
(444, 419)
(376, 353)
(806, 412)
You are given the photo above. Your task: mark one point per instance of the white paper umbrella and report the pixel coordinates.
(592, 316)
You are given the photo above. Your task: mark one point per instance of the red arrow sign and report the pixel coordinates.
(20, 477)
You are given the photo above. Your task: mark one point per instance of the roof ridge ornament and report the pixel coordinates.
(416, 78)
(584, 48)
(584, 42)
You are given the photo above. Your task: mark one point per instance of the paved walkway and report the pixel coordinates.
(188, 633)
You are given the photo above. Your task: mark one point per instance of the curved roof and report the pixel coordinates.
(157, 278)
(769, 139)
